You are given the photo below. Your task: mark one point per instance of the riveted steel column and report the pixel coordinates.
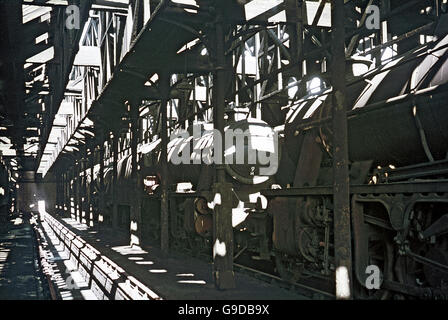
(71, 185)
(84, 200)
(78, 190)
(136, 220)
(341, 196)
(61, 201)
(101, 200)
(81, 187)
(67, 202)
(59, 192)
(164, 210)
(64, 195)
(90, 205)
(294, 15)
(222, 218)
(115, 179)
(73, 191)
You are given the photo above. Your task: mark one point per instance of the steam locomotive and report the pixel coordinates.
(397, 135)
(398, 143)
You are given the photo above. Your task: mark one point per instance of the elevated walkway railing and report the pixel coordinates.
(107, 280)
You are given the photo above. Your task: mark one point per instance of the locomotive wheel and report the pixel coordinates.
(286, 268)
(414, 273)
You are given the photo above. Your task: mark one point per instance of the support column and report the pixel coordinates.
(222, 218)
(115, 179)
(341, 183)
(71, 199)
(61, 203)
(84, 199)
(64, 195)
(164, 209)
(78, 190)
(136, 219)
(90, 205)
(69, 204)
(294, 15)
(138, 18)
(59, 193)
(101, 206)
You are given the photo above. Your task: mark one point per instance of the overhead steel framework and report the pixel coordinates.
(36, 59)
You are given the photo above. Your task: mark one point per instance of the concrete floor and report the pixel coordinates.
(175, 276)
(18, 262)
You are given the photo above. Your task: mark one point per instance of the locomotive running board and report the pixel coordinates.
(433, 186)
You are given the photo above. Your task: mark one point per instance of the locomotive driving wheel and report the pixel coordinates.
(424, 275)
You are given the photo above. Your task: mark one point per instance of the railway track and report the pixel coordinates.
(312, 286)
(305, 289)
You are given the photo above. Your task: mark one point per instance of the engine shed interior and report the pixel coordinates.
(239, 149)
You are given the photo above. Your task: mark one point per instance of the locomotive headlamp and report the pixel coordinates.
(151, 183)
